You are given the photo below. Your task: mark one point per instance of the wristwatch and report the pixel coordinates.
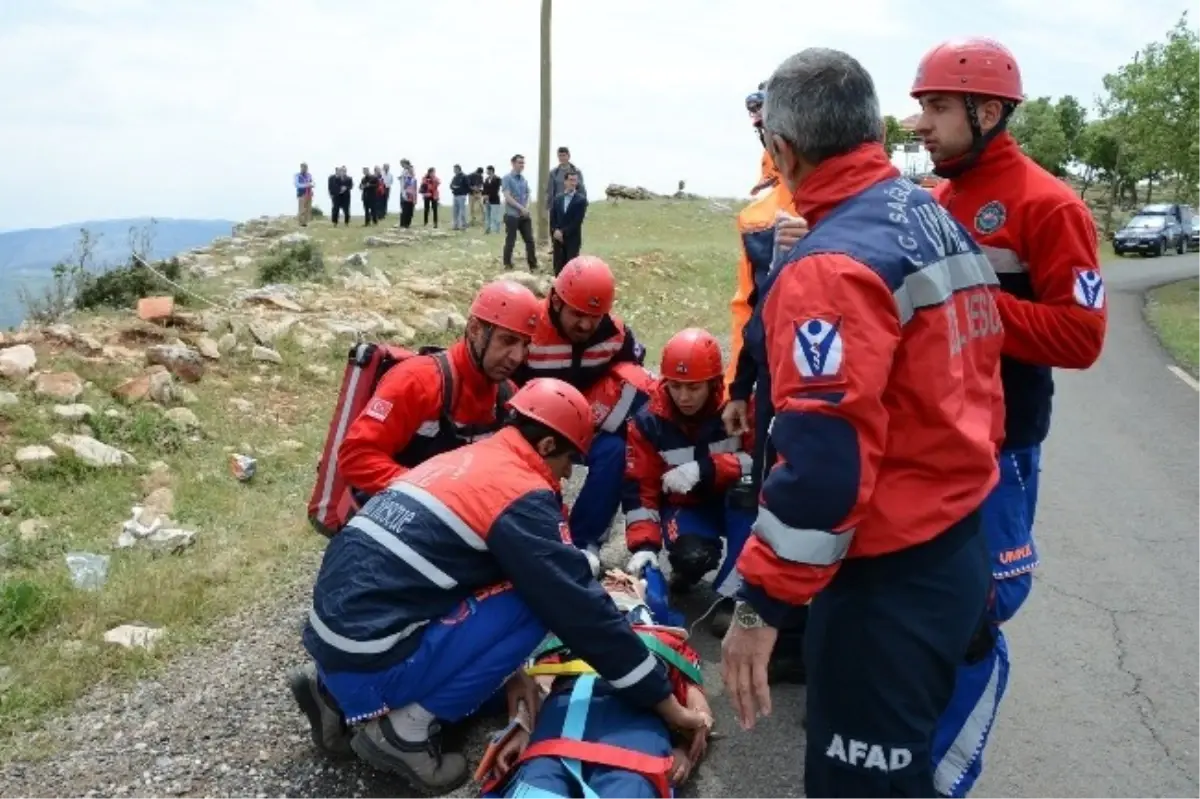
(747, 617)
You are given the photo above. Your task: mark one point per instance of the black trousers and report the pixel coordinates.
(341, 204)
(524, 226)
(431, 203)
(383, 203)
(406, 212)
(370, 206)
(565, 250)
(885, 639)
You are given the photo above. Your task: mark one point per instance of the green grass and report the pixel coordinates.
(675, 265)
(1174, 313)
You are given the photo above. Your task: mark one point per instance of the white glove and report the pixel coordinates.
(593, 561)
(682, 479)
(639, 561)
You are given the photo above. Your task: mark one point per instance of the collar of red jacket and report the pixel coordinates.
(469, 377)
(998, 156)
(511, 439)
(662, 406)
(839, 178)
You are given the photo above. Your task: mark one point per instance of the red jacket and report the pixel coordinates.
(1041, 240)
(403, 418)
(882, 344)
(659, 438)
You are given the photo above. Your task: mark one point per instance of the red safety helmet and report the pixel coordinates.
(970, 66)
(559, 406)
(507, 304)
(692, 356)
(587, 285)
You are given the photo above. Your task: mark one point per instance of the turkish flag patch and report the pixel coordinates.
(379, 409)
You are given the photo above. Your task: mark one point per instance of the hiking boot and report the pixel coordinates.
(329, 731)
(422, 764)
(722, 617)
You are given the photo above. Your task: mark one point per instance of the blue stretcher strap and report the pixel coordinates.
(524, 790)
(575, 724)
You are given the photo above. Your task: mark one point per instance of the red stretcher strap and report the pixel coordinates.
(652, 768)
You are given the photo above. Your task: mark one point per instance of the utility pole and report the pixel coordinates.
(543, 213)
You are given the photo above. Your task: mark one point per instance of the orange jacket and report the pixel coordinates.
(756, 229)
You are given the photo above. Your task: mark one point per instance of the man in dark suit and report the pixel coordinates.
(566, 220)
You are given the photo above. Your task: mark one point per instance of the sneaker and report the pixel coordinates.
(329, 731)
(722, 617)
(422, 764)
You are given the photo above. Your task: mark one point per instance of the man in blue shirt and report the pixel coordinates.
(303, 182)
(516, 213)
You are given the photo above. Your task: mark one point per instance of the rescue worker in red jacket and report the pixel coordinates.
(768, 226)
(1041, 240)
(686, 479)
(406, 421)
(580, 341)
(878, 349)
(445, 582)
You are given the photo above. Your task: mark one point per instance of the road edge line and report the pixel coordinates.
(1184, 376)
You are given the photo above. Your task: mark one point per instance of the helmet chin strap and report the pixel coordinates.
(954, 167)
(477, 355)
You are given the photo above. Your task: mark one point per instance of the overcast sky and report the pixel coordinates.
(204, 108)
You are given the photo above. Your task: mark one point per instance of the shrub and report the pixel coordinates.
(25, 608)
(295, 262)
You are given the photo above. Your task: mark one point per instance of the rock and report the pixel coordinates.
(539, 286)
(615, 191)
(160, 501)
(89, 344)
(183, 362)
(93, 452)
(440, 320)
(382, 241)
(157, 476)
(183, 418)
(243, 405)
(135, 389)
(277, 300)
(73, 413)
(162, 388)
(5, 487)
(426, 289)
(17, 362)
(208, 348)
(290, 240)
(152, 309)
(134, 636)
(226, 343)
(32, 529)
(62, 386)
(155, 531)
(8, 398)
(355, 259)
(34, 455)
(318, 370)
(262, 332)
(242, 261)
(260, 353)
(61, 333)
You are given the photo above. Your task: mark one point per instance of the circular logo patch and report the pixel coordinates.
(990, 217)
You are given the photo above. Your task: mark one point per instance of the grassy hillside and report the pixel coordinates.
(1172, 311)
(674, 261)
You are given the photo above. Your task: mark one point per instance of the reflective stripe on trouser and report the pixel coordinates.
(964, 729)
(883, 641)
(715, 523)
(461, 662)
(609, 720)
(600, 495)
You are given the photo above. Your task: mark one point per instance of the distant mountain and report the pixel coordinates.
(27, 256)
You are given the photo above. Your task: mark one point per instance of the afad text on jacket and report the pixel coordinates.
(460, 522)
(878, 348)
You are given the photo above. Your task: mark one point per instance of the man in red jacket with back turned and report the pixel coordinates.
(878, 349)
(1041, 241)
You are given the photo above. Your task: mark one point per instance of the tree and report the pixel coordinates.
(893, 134)
(1072, 118)
(1097, 153)
(543, 214)
(1036, 126)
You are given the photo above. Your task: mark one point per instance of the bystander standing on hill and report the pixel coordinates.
(369, 186)
(387, 191)
(492, 209)
(460, 187)
(516, 213)
(475, 201)
(304, 192)
(408, 192)
(340, 186)
(556, 184)
(430, 190)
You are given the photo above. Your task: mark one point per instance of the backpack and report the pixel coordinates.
(331, 504)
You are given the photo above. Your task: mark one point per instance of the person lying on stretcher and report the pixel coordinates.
(585, 741)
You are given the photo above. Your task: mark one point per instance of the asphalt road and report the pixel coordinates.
(1102, 700)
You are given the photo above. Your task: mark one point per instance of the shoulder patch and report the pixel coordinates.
(991, 217)
(1089, 288)
(817, 350)
(379, 409)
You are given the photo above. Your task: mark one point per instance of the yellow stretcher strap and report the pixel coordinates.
(569, 667)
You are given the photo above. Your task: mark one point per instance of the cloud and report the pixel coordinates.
(134, 107)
